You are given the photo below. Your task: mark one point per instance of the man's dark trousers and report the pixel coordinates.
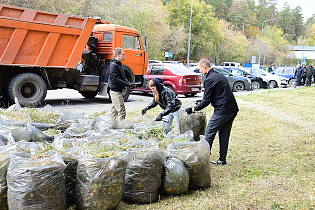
(223, 125)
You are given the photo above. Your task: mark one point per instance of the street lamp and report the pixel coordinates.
(189, 33)
(262, 28)
(304, 44)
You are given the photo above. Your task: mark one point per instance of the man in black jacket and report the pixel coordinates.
(219, 93)
(310, 72)
(298, 75)
(117, 82)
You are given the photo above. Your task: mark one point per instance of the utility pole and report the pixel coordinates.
(262, 28)
(192, 1)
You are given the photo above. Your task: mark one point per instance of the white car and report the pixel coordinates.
(273, 80)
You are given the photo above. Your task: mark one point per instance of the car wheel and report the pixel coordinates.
(255, 85)
(28, 88)
(170, 87)
(238, 87)
(292, 82)
(272, 84)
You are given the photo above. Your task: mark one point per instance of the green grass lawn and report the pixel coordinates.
(271, 157)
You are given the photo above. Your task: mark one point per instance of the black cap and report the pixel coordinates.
(93, 41)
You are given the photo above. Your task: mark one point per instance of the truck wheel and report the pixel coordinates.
(89, 94)
(125, 93)
(29, 88)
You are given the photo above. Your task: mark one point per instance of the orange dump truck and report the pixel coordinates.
(40, 51)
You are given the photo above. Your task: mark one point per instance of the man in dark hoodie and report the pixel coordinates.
(166, 99)
(219, 93)
(298, 75)
(117, 82)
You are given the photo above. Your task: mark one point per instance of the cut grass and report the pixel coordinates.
(270, 159)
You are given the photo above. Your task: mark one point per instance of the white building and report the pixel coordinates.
(304, 51)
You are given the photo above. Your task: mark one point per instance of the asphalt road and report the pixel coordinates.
(73, 100)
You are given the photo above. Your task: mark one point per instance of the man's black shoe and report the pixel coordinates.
(219, 162)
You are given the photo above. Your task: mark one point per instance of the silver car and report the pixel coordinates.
(238, 84)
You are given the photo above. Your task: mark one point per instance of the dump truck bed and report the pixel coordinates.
(40, 39)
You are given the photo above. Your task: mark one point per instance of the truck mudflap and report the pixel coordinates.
(103, 89)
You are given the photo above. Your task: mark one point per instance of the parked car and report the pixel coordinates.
(287, 72)
(257, 82)
(175, 76)
(237, 83)
(230, 64)
(274, 80)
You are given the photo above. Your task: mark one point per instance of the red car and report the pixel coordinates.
(175, 76)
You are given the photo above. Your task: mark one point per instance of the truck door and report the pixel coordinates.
(135, 56)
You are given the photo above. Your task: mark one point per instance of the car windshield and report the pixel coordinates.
(258, 72)
(278, 71)
(288, 71)
(237, 72)
(178, 68)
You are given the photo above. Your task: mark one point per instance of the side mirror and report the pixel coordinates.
(145, 42)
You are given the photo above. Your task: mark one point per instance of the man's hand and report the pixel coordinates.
(159, 118)
(144, 110)
(189, 110)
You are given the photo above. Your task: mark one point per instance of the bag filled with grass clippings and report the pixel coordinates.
(153, 129)
(195, 156)
(143, 175)
(175, 178)
(36, 181)
(4, 163)
(197, 122)
(100, 182)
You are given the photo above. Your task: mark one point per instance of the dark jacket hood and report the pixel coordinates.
(158, 83)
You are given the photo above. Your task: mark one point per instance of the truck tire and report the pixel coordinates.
(29, 88)
(131, 78)
(125, 92)
(89, 94)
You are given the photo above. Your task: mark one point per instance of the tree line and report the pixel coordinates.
(225, 30)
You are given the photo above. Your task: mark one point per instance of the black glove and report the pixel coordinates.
(188, 110)
(159, 118)
(144, 110)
